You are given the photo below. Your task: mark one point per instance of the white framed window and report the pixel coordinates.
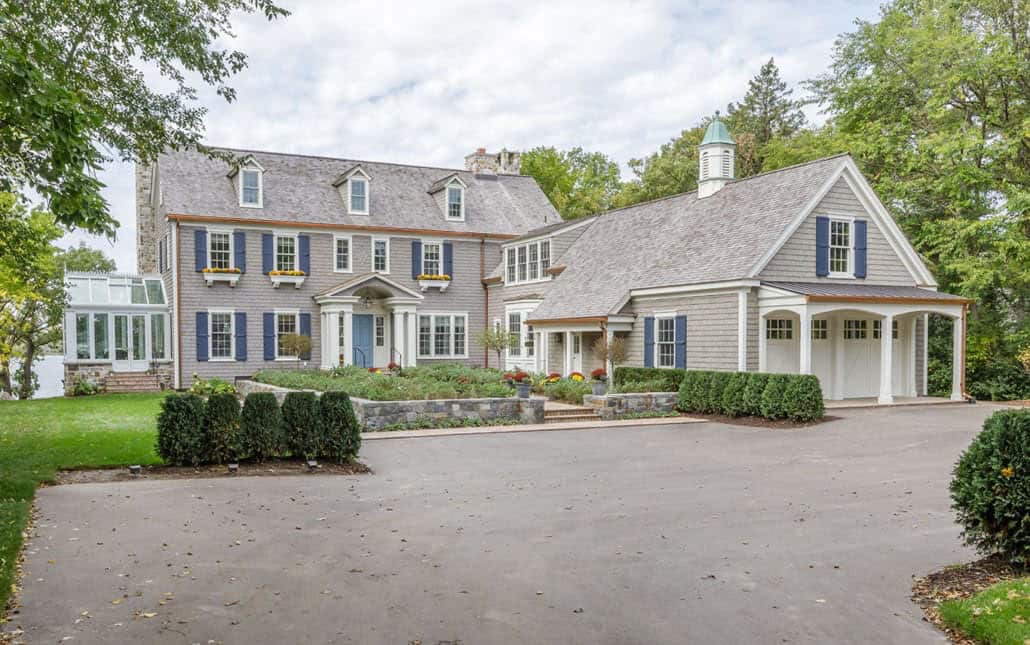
(527, 262)
(219, 249)
(455, 202)
(534, 262)
(779, 329)
(221, 334)
(380, 327)
(432, 258)
(523, 269)
(841, 248)
(285, 253)
(820, 329)
(158, 329)
(665, 341)
(515, 333)
(510, 265)
(855, 329)
(442, 335)
(357, 196)
(82, 351)
(381, 254)
(545, 257)
(877, 326)
(101, 347)
(285, 323)
(342, 254)
(251, 187)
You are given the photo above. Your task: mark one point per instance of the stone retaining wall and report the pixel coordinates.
(378, 414)
(611, 406)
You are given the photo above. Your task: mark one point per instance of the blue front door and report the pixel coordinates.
(362, 343)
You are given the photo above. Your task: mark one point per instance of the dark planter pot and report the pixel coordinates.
(599, 388)
(522, 390)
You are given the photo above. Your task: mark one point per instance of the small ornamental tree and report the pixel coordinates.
(753, 392)
(803, 398)
(772, 397)
(222, 429)
(180, 430)
(494, 339)
(733, 395)
(261, 426)
(990, 491)
(297, 345)
(342, 433)
(301, 422)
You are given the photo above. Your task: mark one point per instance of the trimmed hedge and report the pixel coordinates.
(302, 424)
(261, 426)
(222, 428)
(180, 430)
(990, 491)
(773, 396)
(342, 433)
(672, 378)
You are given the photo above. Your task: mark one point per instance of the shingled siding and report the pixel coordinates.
(796, 259)
(255, 295)
(711, 328)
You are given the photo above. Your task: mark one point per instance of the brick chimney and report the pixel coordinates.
(505, 162)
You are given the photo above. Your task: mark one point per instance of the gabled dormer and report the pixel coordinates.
(248, 177)
(449, 193)
(355, 190)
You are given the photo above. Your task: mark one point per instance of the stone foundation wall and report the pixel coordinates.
(378, 414)
(610, 406)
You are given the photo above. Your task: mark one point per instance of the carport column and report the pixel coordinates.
(886, 356)
(742, 331)
(762, 362)
(806, 342)
(544, 350)
(568, 353)
(411, 345)
(958, 334)
(348, 336)
(910, 385)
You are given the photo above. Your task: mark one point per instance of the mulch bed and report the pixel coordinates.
(271, 468)
(958, 582)
(759, 422)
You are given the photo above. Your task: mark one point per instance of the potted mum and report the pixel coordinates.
(508, 379)
(599, 381)
(393, 368)
(523, 384)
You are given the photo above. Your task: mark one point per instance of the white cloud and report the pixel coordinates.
(423, 82)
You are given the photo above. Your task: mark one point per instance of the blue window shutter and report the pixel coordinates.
(304, 247)
(305, 330)
(267, 259)
(416, 259)
(448, 259)
(202, 336)
(681, 342)
(241, 336)
(268, 322)
(648, 342)
(239, 250)
(822, 246)
(200, 249)
(861, 235)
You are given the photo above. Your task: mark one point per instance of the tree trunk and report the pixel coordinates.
(25, 391)
(5, 375)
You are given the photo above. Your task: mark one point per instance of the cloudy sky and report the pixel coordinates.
(428, 82)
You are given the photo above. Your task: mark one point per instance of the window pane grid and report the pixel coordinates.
(251, 191)
(840, 246)
(221, 335)
(666, 342)
(285, 253)
(285, 324)
(522, 263)
(157, 336)
(100, 348)
(431, 258)
(379, 255)
(343, 255)
(454, 198)
(380, 331)
(779, 329)
(358, 195)
(511, 265)
(425, 336)
(82, 336)
(820, 329)
(219, 251)
(855, 329)
(515, 334)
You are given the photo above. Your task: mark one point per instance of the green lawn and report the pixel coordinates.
(999, 615)
(38, 438)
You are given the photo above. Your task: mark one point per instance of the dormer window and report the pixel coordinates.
(455, 202)
(250, 187)
(358, 195)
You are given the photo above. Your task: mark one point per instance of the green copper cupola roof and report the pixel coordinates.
(717, 133)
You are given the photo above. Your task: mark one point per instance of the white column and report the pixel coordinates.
(348, 337)
(958, 333)
(397, 353)
(910, 389)
(763, 363)
(926, 350)
(410, 332)
(837, 334)
(886, 359)
(544, 351)
(332, 330)
(608, 367)
(568, 353)
(742, 331)
(805, 365)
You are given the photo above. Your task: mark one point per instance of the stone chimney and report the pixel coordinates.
(505, 162)
(146, 221)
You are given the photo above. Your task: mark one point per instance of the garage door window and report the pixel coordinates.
(876, 329)
(820, 329)
(779, 329)
(855, 329)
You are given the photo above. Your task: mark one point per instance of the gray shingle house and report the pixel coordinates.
(797, 270)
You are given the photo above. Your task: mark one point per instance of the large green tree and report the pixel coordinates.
(74, 93)
(578, 183)
(767, 112)
(673, 169)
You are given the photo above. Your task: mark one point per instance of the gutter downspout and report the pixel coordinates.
(177, 271)
(486, 296)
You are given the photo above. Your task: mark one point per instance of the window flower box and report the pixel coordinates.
(433, 281)
(213, 275)
(296, 278)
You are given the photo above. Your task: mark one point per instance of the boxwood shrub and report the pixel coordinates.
(302, 424)
(717, 382)
(753, 391)
(222, 429)
(772, 398)
(180, 430)
(733, 394)
(803, 398)
(672, 379)
(694, 391)
(990, 491)
(261, 426)
(342, 434)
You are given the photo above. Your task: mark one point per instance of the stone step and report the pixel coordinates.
(567, 412)
(131, 382)
(567, 418)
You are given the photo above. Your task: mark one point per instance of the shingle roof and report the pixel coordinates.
(300, 188)
(680, 240)
(856, 290)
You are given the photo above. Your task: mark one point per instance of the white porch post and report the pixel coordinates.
(837, 345)
(608, 367)
(805, 366)
(411, 345)
(330, 339)
(926, 356)
(910, 389)
(397, 337)
(742, 331)
(762, 349)
(348, 337)
(886, 356)
(568, 353)
(544, 350)
(958, 333)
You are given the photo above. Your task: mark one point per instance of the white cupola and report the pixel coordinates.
(716, 159)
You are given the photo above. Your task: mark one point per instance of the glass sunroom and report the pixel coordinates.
(116, 320)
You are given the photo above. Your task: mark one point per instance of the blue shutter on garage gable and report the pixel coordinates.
(268, 323)
(305, 330)
(304, 248)
(240, 325)
(448, 259)
(649, 342)
(200, 249)
(239, 250)
(267, 259)
(202, 336)
(681, 342)
(822, 246)
(416, 259)
(861, 235)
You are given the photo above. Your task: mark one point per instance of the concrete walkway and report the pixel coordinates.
(872, 402)
(594, 424)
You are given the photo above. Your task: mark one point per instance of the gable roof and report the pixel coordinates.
(439, 184)
(681, 240)
(299, 188)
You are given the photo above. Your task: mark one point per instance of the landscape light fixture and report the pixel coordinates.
(135, 470)
(234, 468)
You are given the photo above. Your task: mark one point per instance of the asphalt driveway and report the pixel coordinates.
(698, 533)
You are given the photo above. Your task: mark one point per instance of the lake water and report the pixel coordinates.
(50, 370)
